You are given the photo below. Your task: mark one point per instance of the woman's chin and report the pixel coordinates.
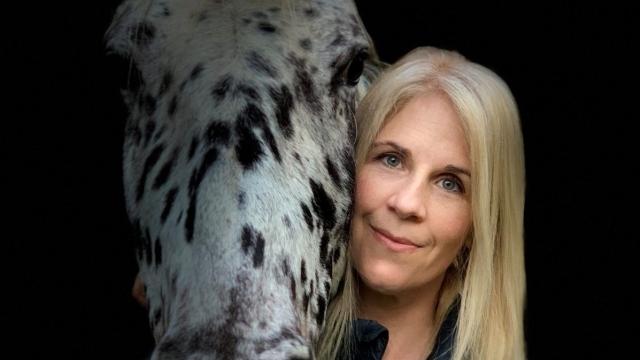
(384, 278)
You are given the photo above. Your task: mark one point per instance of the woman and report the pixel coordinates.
(437, 230)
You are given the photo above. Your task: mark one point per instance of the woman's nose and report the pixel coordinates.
(409, 200)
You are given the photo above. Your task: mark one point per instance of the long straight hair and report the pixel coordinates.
(488, 274)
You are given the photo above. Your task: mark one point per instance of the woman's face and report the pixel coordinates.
(412, 205)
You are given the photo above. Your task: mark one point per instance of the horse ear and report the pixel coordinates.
(115, 38)
(129, 31)
(122, 42)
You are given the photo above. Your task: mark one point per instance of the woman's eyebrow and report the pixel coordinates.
(403, 151)
(457, 170)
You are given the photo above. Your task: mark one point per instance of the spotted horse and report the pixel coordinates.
(238, 167)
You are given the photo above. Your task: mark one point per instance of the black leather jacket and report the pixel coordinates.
(371, 338)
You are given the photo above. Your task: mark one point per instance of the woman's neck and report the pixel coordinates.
(409, 317)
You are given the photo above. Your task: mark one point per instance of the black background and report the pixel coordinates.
(572, 68)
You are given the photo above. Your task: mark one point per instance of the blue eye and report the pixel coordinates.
(391, 160)
(452, 185)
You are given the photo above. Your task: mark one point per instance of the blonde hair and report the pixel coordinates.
(488, 275)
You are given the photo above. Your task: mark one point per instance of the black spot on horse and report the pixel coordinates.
(166, 11)
(304, 87)
(241, 199)
(194, 184)
(323, 206)
(249, 144)
(297, 62)
(328, 265)
(311, 289)
(322, 304)
(303, 272)
(286, 269)
(209, 158)
(292, 288)
(271, 140)
(221, 88)
(218, 133)
(305, 44)
(248, 91)
(190, 220)
(261, 65)
(192, 148)
(149, 163)
(167, 80)
(165, 171)
(246, 21)
(346, 228)
(307, 216)
(286, 221)
(158, 252)
(274, 9)
(183, 84)
(349, 167)
(283, 101)
(246, 239)
(324, 245)
(251, 238)
(338, 40)
(252, 116)
(249, 148)
(266, 27)
(333, 172)
(172, 105)
(336, 254)
(310, 13)
(143, 34)
(305, 302)
(258, 253)
(156, 317)
(168, 204)
(195, 73)
(159, 134)
(148, 131)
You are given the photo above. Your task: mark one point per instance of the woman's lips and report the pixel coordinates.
(391, 242)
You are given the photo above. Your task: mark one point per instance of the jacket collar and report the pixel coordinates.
(371, 337)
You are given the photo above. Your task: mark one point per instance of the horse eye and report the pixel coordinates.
(355, 68)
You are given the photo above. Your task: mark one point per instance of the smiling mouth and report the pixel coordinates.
(393, 243)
